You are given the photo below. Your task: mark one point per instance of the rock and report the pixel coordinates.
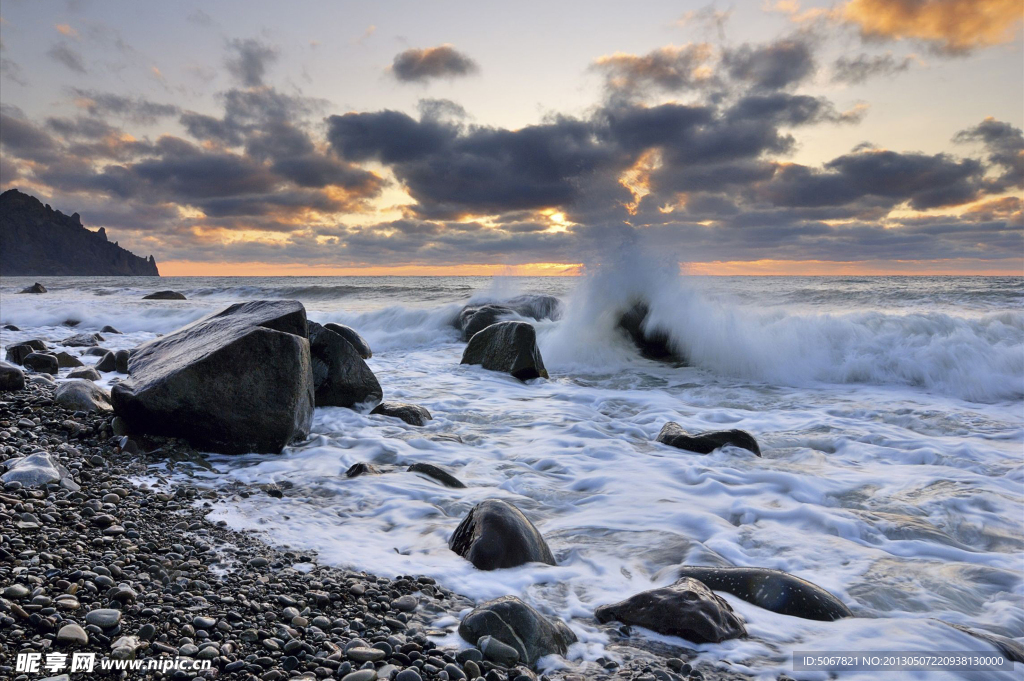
(686, 609)
(495, 534)
(11, 377)
(496, 651)
(516, 624)
(125, 648)
(473, 319)
(38, 470)
(341, 377)
(81, 395)
(365, 654)
(34, 288)
(72, 634)
(353, 337)
(11, 327)
(164, 295)
(82, 340)
(773, 590)
(361, 675)
(109, 329)
(1007, 646)
(510, 347)
(65, 360)
(87, 373)
(95, 352)
(107, 363)
(17, 591)
(361, 468)
(235, 381)
(431, 471)
(17, 353)
(406, 603)
(42, 363)
(121, 358)
(104, 618)
(672, 434)
(71, 323)
(40, 379)
(536, 306)
(413, 414)
(653, 343)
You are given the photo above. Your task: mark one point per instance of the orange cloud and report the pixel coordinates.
(65, 29)
(951, 25)
(191, 268)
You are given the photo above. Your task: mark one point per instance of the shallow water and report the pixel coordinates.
(890, 413)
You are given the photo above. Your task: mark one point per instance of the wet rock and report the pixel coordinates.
(413, 414)
(81, 395)
(1007, 646)
(672, 434)
(495, 534)
(687, 609)
(164, 295)
(517, 625)
(104, 618)
(95, 352)
(34, 288)
(432, 471)
(109, 329)
(353, 337)
(653, 343)
(11, 377)
(121, 358)
(38, 470)
(361, 468)
(341, 377)
(17, 353)
(65, 360)
(87, 373)
(473, 319)
(509, 347)
(235, 381)
(773, 590)
(107, 363)
(11, 327)
(42, 363)
(82, 340)
(72, 634)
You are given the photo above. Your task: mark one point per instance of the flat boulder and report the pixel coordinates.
(341, 377)
(413, 414)
(673, 435)
(495, 534)
(65, 360)
(437, 473)
(164, 295)
(353, 337)
(509, 347)
(773, 590)
(42, 363)
(11, 377)
(87, 373)
(34, 288)
(652, 343)
(687, 609)
(38, 470)
(82, 340)
(81, 395)
(235, 381)
(519, 626)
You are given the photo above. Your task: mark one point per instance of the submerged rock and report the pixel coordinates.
(41, 362)
(432, 471)
(773, 590)
(165, 295)
(510, 347)
(353, 337)
(34, 288)
(413, 414)
(235, 381)
(38, 470)
(340, 376)
(82, 395)
(495, 534)
(672, 434)
(1007, 646)
(361, 468)
(652, 343)
(686, 609)
(515, 624)
(11, 377)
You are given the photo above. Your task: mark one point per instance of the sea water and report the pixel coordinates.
(889, 410)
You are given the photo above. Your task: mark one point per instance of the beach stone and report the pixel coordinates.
(361, 675)
(652, 342)
(496, 651)
(11, 377)
(82, 340)
(65, 360)
(125, 648)
(435, 472)
(353, 337)
(104, 618)
(107, 363)
(495, 534)
(42, 363)
(510, 347)
(17, 353)
(38, 470)
(673, 435)
(405, 603)
(516, 624)
(40, 379)
(95, 352)
(687, 609)
(11, 327)
(235, 381)
(34, 288)
(82, 395)
(363, 654)
(164, 295)
(408, 675)
(85, 373)
(413, 414)
(121, 358)
(361, 468)
(17, 591)
(341, 377)
(475, 318)
(109, 329)
(72, 634)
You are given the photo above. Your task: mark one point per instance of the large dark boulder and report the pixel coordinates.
(474, 318)
(437, 473)
(17, 353)
(164, 295)
(353, 337)
(34, 288)
(121, 358)
(673, 435)
(495, 534)
(686, 609)
(11, 377)
(653, 343)
(41, 363)
(510, 347)
(536, 306)
(516, 624)
(413, 414)
(235, 381)
(773, 590)
(340, 376)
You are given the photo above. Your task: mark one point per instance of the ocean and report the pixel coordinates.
(889, 410)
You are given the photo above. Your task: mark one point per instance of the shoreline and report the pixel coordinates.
(185, 585)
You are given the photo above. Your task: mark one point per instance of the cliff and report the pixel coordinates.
(36, 240)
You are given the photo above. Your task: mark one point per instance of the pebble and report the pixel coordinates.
(361, 654)
(361, 675)
(72, 634)
(104, 618)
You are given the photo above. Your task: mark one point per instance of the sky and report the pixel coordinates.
(751, 137)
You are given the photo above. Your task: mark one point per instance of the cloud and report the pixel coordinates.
(947, 26)
(135, 109)
(249, 59)
(772, 66)
(669, 69)
(62, 53)
(1005, 146)
(856, 70)
(420, 66)
(66, 30)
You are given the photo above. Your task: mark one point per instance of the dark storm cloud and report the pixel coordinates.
(1005, 146)
(856, 70)
(444, 61)
(249, 59)
(62, 53)
(134, 109)
(22, 139)
(83, 127)
(669, 69)
(210, 128)
(773, 66)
